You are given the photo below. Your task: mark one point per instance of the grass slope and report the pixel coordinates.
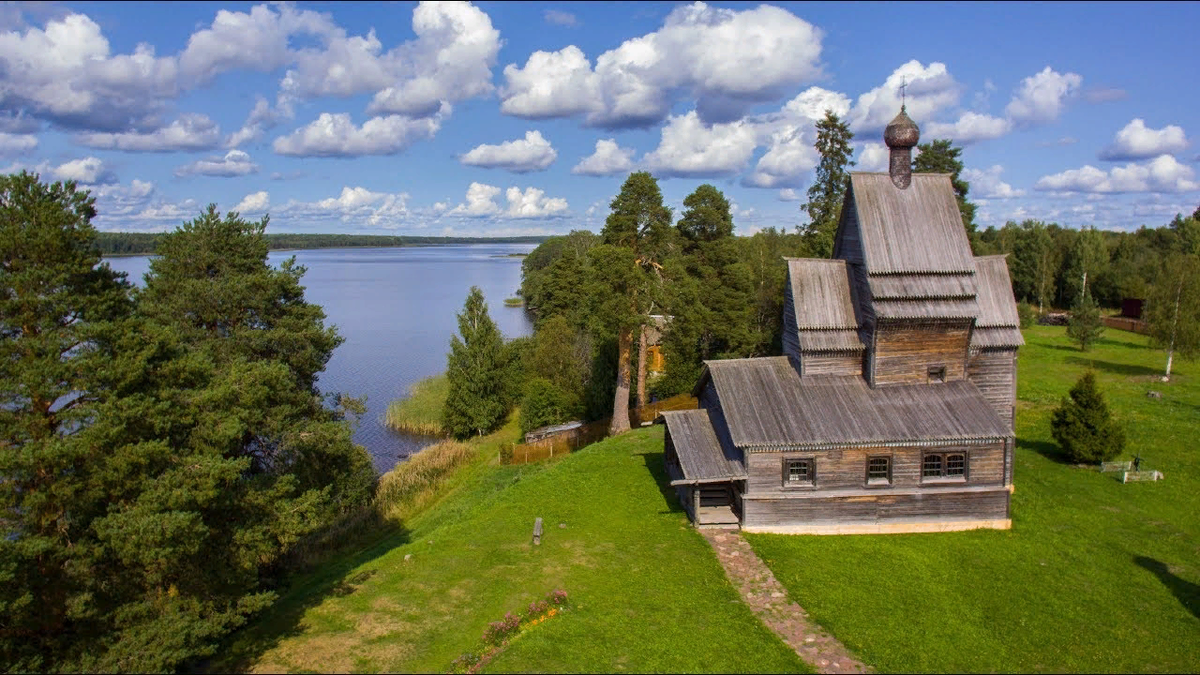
(646, 590)
(1095, 576)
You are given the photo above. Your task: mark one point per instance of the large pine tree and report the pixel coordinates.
(475, 372)
(825, 195)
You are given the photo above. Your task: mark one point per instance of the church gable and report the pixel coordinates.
(913, 230)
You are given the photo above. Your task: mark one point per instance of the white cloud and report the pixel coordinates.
(608, 159)
(335, 135)
(530, 203)
(451, 60)
(986, 184)
(789, 195)
(970, 128)
(234, 163)
(64, 72)
(1137, 141)
(700, 51)
(262, 117)
(872, 157)
(356, 205)
(1162, 174)
(552, 84)
(87, 170)
(255, 202)
(790, 157)
(480, 201)
(929, 89)
(812, 103)
(560, 18)
(1042, 96)
(192, 131)
(533, 153)
(691, 148)
(15, 144)
(256, 40)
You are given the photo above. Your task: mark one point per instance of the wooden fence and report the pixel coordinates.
(571, 440)
(1125, 323)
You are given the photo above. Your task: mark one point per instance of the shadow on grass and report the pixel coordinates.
(1185, 591)
(1126, 369)
(658, 469)
(1050, 451)
(304, 590)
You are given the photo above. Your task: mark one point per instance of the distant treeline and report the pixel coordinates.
(112, 243)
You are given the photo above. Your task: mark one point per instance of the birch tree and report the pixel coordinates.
(1173, 309)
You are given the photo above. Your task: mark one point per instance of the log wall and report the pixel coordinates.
(978, 504)
(831, 363)
(904, 351)
(846, 468)
(994, 371)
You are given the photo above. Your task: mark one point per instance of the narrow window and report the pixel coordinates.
(879, 471)
(932, 466)
(798, 472)
(956, 466)
(937, 373)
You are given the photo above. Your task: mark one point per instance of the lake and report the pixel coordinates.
(396, 309)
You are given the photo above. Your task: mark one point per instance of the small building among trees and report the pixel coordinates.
(891, 409)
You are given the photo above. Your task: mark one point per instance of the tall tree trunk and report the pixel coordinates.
(643, 345)
(620, 417)
(1174, 328)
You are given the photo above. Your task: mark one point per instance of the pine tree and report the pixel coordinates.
(825, 195)
(1085, 326)
(475, 372)
(1083, 426)
(939, 156)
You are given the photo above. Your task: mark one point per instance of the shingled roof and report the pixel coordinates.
(915, 230)
(998, 324)
(766, 404)
(824, 306)
(699, 451)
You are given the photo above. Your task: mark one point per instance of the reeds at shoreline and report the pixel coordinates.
(421, 412)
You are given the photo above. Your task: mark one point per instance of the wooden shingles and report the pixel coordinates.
(921, 286)
(998, 325)
(699, 451)
(823, 305)
(765, 404)
(918, 229)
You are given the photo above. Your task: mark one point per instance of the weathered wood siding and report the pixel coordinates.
(846, 468)
(994, 371)
(848, 242)
(716, 416)
(904, 351)
(831, 363)
(818, 508)
(791, 340)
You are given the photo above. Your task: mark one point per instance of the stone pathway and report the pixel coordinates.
(766, 597)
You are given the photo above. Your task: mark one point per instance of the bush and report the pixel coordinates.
(1083, 425)
(1027, 313)
(545, 404)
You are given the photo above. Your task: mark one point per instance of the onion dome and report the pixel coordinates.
(901, 132)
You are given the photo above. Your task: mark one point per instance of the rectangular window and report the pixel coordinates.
(798, 472)
(937, 373)
(879, 471)
(945, 466)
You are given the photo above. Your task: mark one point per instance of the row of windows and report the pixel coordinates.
(934, 466)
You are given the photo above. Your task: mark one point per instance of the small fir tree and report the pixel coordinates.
(1083, 426)
(1085, 326)
(475, 372)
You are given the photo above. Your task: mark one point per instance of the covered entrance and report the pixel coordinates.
(707, 480)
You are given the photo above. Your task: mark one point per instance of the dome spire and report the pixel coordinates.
(901, 135)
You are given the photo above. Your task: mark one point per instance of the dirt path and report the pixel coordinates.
(769, 601)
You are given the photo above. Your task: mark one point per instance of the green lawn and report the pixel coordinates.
(1095, 576)
(647, 593)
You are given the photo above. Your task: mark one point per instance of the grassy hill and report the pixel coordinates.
(646, 592)
(1095, 576)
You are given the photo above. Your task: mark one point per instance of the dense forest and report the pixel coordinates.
(134, 243)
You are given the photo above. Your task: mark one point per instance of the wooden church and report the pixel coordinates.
(892, 407)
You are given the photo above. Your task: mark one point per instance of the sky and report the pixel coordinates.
(507, 118)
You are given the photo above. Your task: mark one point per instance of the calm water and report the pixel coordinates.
(396, 308)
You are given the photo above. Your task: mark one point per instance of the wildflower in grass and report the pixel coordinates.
(558, 597)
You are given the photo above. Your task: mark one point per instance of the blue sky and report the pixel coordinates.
(499, 118)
